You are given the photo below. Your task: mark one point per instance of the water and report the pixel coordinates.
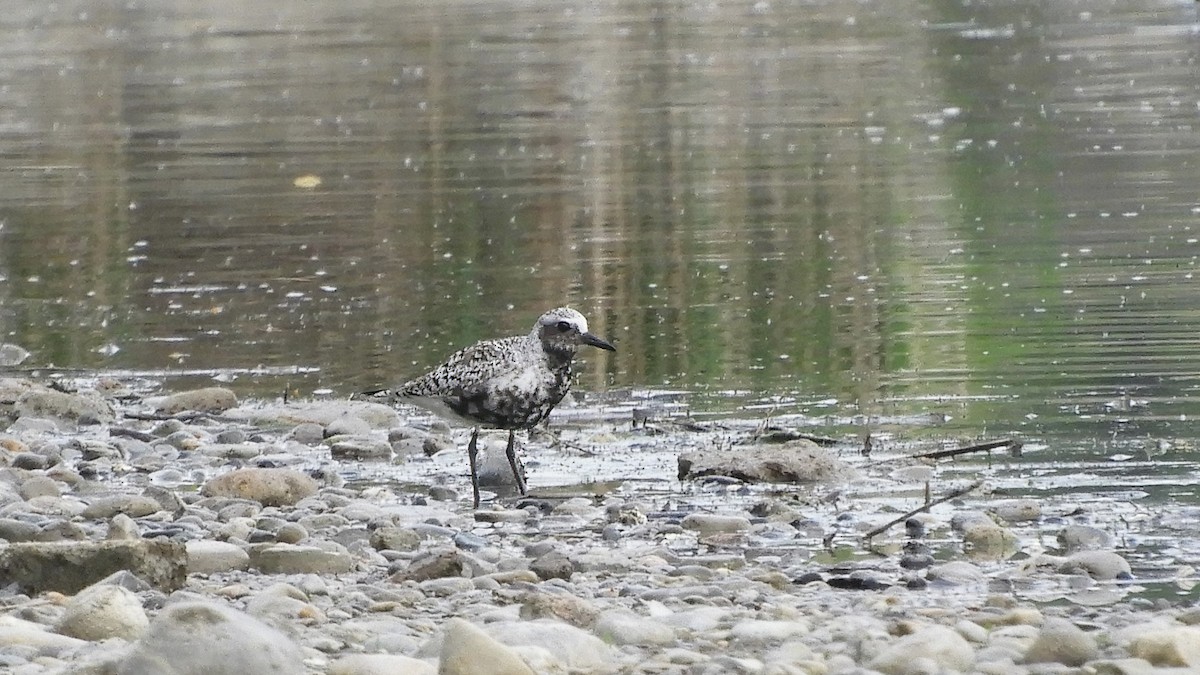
(844, 214)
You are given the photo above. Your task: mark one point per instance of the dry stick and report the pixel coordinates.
(925, 507)
(978, 447)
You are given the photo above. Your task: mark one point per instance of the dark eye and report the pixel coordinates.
(563, 326)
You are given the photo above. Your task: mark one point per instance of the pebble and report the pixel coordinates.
(267, 569)
(468, 650)
(268, 486)
(206, 400)
(200, 638)
(103, 611)
(1060, 641)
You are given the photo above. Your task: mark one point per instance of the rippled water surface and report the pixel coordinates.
(871, 215)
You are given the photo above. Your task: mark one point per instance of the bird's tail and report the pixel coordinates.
(384, 396)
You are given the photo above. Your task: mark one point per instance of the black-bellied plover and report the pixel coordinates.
(510, 383)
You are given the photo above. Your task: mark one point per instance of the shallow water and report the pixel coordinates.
(926, 220)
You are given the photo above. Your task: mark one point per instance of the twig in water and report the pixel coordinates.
(1013, 444)
(954, 494)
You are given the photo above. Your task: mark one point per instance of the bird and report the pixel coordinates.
(506, 383)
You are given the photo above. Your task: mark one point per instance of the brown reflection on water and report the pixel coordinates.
(869, 202)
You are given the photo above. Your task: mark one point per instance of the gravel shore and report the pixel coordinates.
(193, 533)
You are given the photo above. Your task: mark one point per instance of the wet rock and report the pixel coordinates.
(390, 537)
(39, 486)
(206, 400)
(575, 648)
(211, 557)
(291, 559)
(18, 633)
(938, 647)
(800, 461)
(1124, 667)
(380, 664)
(988, 540)
(440, 565)
(552, 565)
(104, 611)
(1099, 565)
(1060, 641)
(360, 448)
(135, 506)
(69, 566)
(711, 523)
(1017, 510)
(73, 408)
(122, 527)
(761, 632)
(13, 530)
(620, 627)
(564, 607)
(347, 425)
(308, 433)
(468, 650)
(204, 638)
(267, 486)
(956, 573)
(1167, 645)
(1073, 538)
(379, 416)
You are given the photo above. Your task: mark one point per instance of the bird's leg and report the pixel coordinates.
(511, 451)
(472, 450)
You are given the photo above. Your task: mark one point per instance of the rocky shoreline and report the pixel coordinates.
(192, 533)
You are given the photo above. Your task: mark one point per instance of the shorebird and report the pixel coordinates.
(508, 383)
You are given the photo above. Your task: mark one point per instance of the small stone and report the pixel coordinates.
(620, 627)
(206, 400)
(1075, 538)
(103, 611)
(569, 608)
(268, 486)
(308, 433)
(122, 527)
(467, 650)
(76, 408)
(347, 425)
(552, 565)
(444, 564)
(940, 646)
(1061, 641)
(1017, 510)
(204, 638)
(390, 537)
(380, 664)
(1099, 565)
(709, 523)
(68, 566)
(1168, 646)
(290, 559)
(135, 506)
(205, 556)
(39, 486)
(799, 461)
(956, 573)
(578, 650)
(360, 448)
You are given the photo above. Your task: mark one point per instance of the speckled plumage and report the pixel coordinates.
(509, 383)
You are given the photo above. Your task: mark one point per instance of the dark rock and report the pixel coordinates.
(552, 565)
(70, 566)
(445, 564)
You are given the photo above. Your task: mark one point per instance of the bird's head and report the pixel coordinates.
(563, 330)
